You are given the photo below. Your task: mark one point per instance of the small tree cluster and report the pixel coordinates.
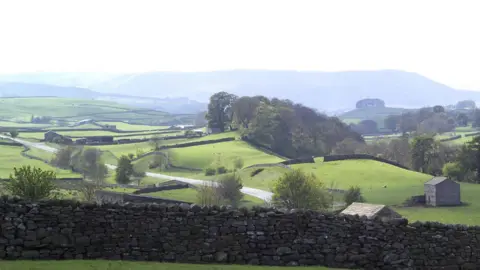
(31, 184)
(353, 194)
(227, 190)
(298, 190)
(124, 170)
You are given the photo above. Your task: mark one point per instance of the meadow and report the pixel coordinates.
(126, 265)
(10, 157)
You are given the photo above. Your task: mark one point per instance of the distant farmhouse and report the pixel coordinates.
(441, 191)
(371, 211)
(95, 140)
(51, 136)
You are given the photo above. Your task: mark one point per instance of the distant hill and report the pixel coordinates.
(376, 114)
(325, 91)
(322, 90)
(170, 105)
(16, 89)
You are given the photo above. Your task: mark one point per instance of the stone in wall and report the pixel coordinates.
(262, 236)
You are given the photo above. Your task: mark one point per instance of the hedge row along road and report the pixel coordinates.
(261, 194)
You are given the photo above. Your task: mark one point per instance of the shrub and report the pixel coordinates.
(222, 170)
(353, 194)
(298, 190)
(31, 184)
(256, 171)
(13, 133)
(207, 194)
(238, 163)
(454, 171)
(229, 188)
(131, 156)
(210, 171)
(87, 189)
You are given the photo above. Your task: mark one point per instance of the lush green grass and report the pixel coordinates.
(126, 265)
(23, 125)
(40, 153)
(219, 154)
(10, 157)
(79, 109)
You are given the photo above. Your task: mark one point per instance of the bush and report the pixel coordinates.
(238, 163)
(31, 184)
(298, 190)
(454, 171)
(229, 189)
(353, 194)
(210, 171)
(256, 171)
(207, 194)
(222, 170)
(14, 133)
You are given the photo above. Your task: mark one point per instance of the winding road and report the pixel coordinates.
(258, 193)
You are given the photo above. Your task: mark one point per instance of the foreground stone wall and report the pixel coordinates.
(183, 233)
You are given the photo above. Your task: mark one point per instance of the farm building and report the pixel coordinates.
(441, 191)
(371, 211)
(51, 136)
(95, 140)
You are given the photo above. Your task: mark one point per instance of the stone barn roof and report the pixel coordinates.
(436, 180)
(370, 210)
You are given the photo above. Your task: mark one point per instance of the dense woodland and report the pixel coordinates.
(287, 128)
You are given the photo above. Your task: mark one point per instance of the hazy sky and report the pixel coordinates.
(439, 39)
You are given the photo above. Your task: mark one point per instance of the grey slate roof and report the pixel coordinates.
(436, 180)
(363, 209)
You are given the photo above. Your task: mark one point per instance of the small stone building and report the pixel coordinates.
(371, 211)
(441, 191)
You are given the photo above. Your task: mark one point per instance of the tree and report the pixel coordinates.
(31, 184)
(244, 110)
(353, 194)
(296, 189)
(462, 119)
(347, 147)
(454, 171)
(92, 165)
(391, 122)
(63, 157)
(229, 188)
(369, 103)
(366, 127)
(466, 105)
(14, 133)
(88, 189)
(422, 149)
(156, 141)
(238, 163)
(219, 114)
(438, 109)
(124, 170)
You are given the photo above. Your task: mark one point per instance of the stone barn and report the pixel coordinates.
(441, 191)
(371, 211)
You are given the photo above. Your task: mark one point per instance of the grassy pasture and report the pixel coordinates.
(219, 154)
(10, 157)
(126, 265)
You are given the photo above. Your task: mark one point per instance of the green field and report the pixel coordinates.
(10, 157)
(22, 109)
(219, 154)
(125, 265)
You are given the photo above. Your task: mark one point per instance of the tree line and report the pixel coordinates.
(287, 128)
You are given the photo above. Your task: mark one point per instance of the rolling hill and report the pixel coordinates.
(325, 91)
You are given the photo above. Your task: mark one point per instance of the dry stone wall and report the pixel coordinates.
(194, 234)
